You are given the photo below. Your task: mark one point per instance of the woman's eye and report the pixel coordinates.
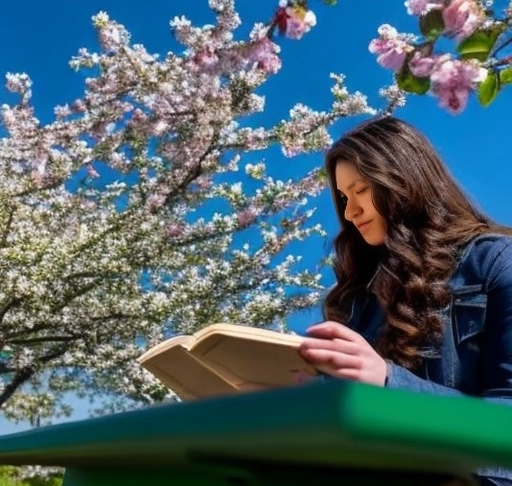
(361, 190)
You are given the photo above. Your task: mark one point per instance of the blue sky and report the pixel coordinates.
(40, 37)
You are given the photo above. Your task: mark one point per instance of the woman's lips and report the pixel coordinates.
(363, 226)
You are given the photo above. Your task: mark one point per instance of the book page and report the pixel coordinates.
(247, 332)
(184, 341)
(255, 359)
(177, 369)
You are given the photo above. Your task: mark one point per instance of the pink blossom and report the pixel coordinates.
(462, 18)
(421, 7)
(247, 216)
(206, 58)
(422, 66)
(79, 106)
(110, 37)
(18, 83)
(203, 182)
(294, 21)
(295, 28)
(263, 53)
(156, 201)
(453, 81)
(62, 111)
(158, 128)
(175, 230)
(392, 48)
(92, 172)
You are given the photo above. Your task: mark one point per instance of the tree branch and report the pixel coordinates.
(7, 228)
(24, 374)
(45, 339)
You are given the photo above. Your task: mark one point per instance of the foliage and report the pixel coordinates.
(128, 217)
(9, 476)
(479, 34)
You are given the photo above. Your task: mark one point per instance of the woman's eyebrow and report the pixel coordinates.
(354, 183)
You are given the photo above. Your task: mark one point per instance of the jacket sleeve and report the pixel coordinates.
(399, 377)
(497, 337)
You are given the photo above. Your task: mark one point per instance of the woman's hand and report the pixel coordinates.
(338, 351)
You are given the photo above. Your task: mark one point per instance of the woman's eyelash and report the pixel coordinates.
(344, 198)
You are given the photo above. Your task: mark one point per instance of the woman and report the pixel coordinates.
(423, 299)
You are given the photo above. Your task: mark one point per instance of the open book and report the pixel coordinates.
(227, 358)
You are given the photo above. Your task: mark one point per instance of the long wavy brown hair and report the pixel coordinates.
(429, 220)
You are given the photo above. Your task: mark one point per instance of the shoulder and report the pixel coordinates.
(490, 240)
(488, 246)
(485, 258)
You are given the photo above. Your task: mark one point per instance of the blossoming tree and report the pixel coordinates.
(126, 218)
(480, 35)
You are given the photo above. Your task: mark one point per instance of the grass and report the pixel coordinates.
(8, 477)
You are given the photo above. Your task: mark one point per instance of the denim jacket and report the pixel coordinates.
(475, 355)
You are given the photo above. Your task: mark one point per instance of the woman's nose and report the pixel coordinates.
(351, 210)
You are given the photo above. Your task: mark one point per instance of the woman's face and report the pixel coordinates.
(360, 210)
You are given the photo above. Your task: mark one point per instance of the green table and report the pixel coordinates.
(347, 433)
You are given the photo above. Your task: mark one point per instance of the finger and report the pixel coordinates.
(331, 330)
(332, 360)
(337, 345)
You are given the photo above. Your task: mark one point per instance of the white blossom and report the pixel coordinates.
(94, 273)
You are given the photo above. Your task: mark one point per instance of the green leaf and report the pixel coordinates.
(479, 45)
(331, 3)
(322, 175)
(506, 76)
(410, 83)
(488, 89)
(432, 24)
